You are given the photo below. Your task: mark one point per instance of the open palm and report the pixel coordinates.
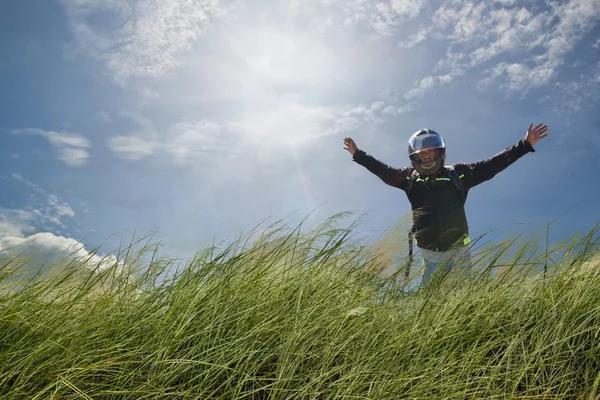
(534, 135)
(350, 145)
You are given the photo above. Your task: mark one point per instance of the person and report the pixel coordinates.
(440, 225)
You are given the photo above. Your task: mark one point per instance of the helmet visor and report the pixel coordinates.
(426, 155)
(424, 142)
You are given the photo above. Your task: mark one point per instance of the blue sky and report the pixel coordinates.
(200, 118)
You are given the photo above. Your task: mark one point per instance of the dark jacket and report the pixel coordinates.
(438, 208)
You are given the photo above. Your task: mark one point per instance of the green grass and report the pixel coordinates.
(303, 316)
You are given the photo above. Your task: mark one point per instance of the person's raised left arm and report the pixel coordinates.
(475, 173)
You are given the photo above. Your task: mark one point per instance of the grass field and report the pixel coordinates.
(302, 316)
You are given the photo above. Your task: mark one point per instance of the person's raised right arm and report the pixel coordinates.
(395, 177)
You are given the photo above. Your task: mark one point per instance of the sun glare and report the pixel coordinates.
(282, 57)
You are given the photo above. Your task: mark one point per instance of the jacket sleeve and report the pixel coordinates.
(479, 172)
(395, 177)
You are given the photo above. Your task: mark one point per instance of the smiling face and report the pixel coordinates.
(428, 160)
(428, 155)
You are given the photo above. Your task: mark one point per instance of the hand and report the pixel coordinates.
(536, 134)
(350, 146)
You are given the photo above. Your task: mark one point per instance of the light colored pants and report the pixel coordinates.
(432, 260)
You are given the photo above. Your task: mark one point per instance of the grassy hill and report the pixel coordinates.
(302, 316)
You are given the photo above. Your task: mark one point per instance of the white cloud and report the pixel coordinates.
(395, 110)
(390, 110)
(43, 244)
(61, 209)
(182, 142)
(383, 17)
(25, 253)
(194, 141)
(258, 133)
(131, 147)
(377, 105)
(72, 156)
(519, 77)
(71, 148)
(143, 38)
(19, 240)
(44, 208)
(45, 254)
(419, 91)
(16, 222)
(478, 32)
(427, 84)
(416, 38)
(569, 98)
